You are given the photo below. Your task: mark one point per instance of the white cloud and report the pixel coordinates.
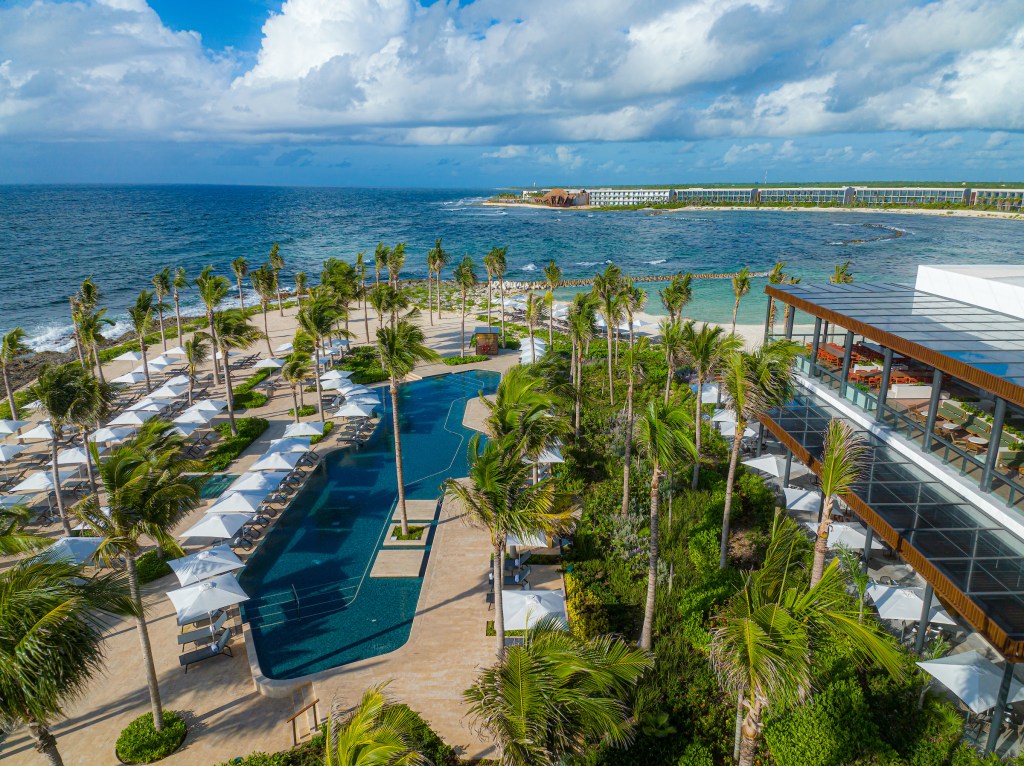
(507, 152)
(737, 153)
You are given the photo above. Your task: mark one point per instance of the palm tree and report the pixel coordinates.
(361, 271)
(163, 285)
(376, 732)
(295, 372)
(524, 409)
(841, 462)
(213, 289)
(634, 370)
(240, 266)
(842, 275)
(264, 282)
(661, 437)
(552, 277)
(400, 347)
(318, 319)
(53, 629)
(534, 315)
(180, 283)
(196, 354)
(149, 488)
(672, 342)
(277, 263)
(582, 329)
(12, 539)
(499, 498)
(380, 260)
(489, 268)
(558, 697)
(607, 287)
(633, 301)
(499, 265)
(766, 636)
(677, 294)
(11, 347)
(441, 258)
(94, 402)
(756, 381)
(775, 277)
(740, 287)
(465, 280)
(706, 350)
(231, 330)
(141, 317)
(396, 261)
(90, 328)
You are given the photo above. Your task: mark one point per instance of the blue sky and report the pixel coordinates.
(510, 92)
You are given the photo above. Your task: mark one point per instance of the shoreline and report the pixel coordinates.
(957, 213)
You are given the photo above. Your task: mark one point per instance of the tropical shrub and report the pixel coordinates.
(141, 743)
(244, 395)
(455, 361)
(328, 427)
(249, 430)
(153, 566)
(365, 364)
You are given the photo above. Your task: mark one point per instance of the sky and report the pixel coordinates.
(492, 93)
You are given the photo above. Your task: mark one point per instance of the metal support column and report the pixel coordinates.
(847, 360)
(922, 625)
(760, 440)
(997, 714)
(768, 318)
(788, 469)
(883, 389)
(994, 441)
(869, 540)
(815, 345)
(933, 410)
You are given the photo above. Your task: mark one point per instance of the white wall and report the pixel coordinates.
(998, 288)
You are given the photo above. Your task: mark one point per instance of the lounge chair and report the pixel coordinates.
(218, 647)
(201, 636)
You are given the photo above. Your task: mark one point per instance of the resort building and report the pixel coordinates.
(1003, 199)
(815, 195)
(624, 197)
(932, 376)
(907, 196)
(705, 196)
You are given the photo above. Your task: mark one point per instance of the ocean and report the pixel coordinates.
(52, 237)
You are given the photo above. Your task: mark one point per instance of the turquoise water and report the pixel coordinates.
(313, 604)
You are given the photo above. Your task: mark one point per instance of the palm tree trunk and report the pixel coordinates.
(533, 348)
(499, 578)
(88, 462)
(438, 291)
(551, 326)
(55, 474)
(229, 394)
(430, 296)
(629, 446)
(366, 314)
(652, 564)
(10, 393)
(147, 649)
(213, 356)
(501, 293)
(462, 350)
(241, 295)
(398, 456)
(611, 382)
(751, 731)
(145, 362)
(698, 418)
(177, 314)
(319, 389)
(280, 303)
(266, 330)
(46, 743)
(160, 317)
(723, 554)
(579, 392)
(191, 383)
(630, 329)
(488, 301)
(668, 376)
(295, 403)
(99, 364)
(821, 542)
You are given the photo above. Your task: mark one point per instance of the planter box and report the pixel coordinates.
(904, 391)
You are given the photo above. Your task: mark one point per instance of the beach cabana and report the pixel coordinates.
(8, 427)
(41, 433)
(904, 604)
(239, 502)
(76, 550)
(205, 564)
(128, 356)
(299, 444)
(193, 602)
(254, 481)
(277, 461)
(973, 679)
(523, 609)
(132, 418)
(217, 526)
(312, 428)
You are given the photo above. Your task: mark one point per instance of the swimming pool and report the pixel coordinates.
(313, 604)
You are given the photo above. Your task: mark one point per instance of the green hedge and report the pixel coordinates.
(152, 567)
(245, 397)
(328, 427)
(21, 398)
(455, 361)
(365, 363)
(304, 411)
(141, 743)
(249, 430)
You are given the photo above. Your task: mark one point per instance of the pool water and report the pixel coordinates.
(313, 604)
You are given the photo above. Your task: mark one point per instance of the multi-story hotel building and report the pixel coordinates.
(715, 196)
(623, 197)
(933, 377)
(1004, 199)
(907, 196)
(817, 195)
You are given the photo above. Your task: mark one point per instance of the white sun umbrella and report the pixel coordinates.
(147, 405)
(219, 526)
(194, 417)
(368, 398)
(176, 351)
(298, 444)
(265, 481)
(536, 539)
(72, 456)
(41, 433)
(270, 364)
(284, 348)
(729, 429)
(904, 604)
(160, 363)
(42, 481)
(9, 451)
(178, 380)
(110, 435)
(353, 410)
(849, 535)
(130, 378)
(239, 502)
(193, 602)
(773, 465)
(709, 394)
(340, 343)
(723, 416)
(184, 430)
(34, 406)
(205, 564)
(523, 609)
(334, 384)
(8, 427)
(550, 455)
(168, 392)
(132, 418)
(337, 374)
(128, 356)
(311, 428)
(220, 354)
(352, 393)
(802, 499)
(10, 501)
(76, 550)
(973, 678)
(210, 405)
(276, 461)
